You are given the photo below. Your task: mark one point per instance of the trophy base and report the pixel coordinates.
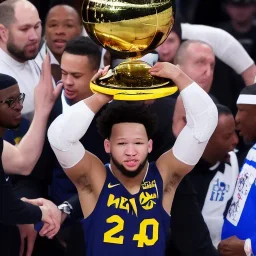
(131, 81)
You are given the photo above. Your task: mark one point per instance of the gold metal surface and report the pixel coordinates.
(129, 29)
(130, 75)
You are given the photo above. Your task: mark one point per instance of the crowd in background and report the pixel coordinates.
(47, 62)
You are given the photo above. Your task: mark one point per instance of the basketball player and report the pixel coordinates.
(126, 204)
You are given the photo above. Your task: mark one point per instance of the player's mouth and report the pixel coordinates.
(131, 163)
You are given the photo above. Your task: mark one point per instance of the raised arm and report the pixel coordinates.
(225, 47)
(66, 131)
(22, 158)
(202, 117)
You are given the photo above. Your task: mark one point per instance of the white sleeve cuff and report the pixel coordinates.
(248, 247)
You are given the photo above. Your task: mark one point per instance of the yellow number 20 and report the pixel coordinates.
(109, 235)
(141, 237)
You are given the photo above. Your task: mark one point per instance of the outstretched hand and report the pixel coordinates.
(51, 216)
(45, 93)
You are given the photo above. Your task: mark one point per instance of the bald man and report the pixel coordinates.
(20, 36)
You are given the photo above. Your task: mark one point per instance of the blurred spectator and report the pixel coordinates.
(241, 26)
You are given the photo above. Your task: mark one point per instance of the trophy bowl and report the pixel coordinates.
(130, 29)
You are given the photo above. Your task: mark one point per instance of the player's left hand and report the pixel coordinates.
(165, 70)
(231, 246)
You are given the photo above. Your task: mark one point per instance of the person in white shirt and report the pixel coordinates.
(20, 37)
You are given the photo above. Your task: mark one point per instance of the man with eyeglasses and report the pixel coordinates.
(22, 158)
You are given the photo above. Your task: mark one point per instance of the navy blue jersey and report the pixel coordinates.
(128, 224)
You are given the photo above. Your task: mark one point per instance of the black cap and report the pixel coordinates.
(6, 81)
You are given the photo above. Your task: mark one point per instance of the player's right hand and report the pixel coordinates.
(104, 98)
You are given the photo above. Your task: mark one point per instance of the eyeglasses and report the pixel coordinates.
(12, 102)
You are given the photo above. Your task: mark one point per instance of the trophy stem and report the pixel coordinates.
(132, 74)
(131, 80)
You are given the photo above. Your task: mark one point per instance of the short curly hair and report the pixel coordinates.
(126, 112)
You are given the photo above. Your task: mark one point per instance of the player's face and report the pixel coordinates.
(10, 107)
(129, 147)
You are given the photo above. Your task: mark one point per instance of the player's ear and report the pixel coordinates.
(107, 145)
(150, 145)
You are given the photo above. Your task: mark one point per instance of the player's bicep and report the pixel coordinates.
(86, 172)
(13, 162)
(171, 168)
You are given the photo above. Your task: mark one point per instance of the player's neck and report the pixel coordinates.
(131, 184)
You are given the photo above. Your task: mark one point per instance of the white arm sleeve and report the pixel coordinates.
(65, 132)
(202, 119)
(224, 45)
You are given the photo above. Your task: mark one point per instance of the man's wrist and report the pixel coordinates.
(66, 208)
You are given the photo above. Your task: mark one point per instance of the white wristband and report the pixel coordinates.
(248, 247)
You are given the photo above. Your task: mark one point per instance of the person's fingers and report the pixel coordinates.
(154, 69)
(46, 69)
(30, 243)
(45, 229)
(57, 90)
(52, 233)
(22, 245)
(105, 70)
(100, 73)
(48, 227)
(38, 201)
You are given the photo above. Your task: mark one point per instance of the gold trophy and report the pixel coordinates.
(129, 29)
